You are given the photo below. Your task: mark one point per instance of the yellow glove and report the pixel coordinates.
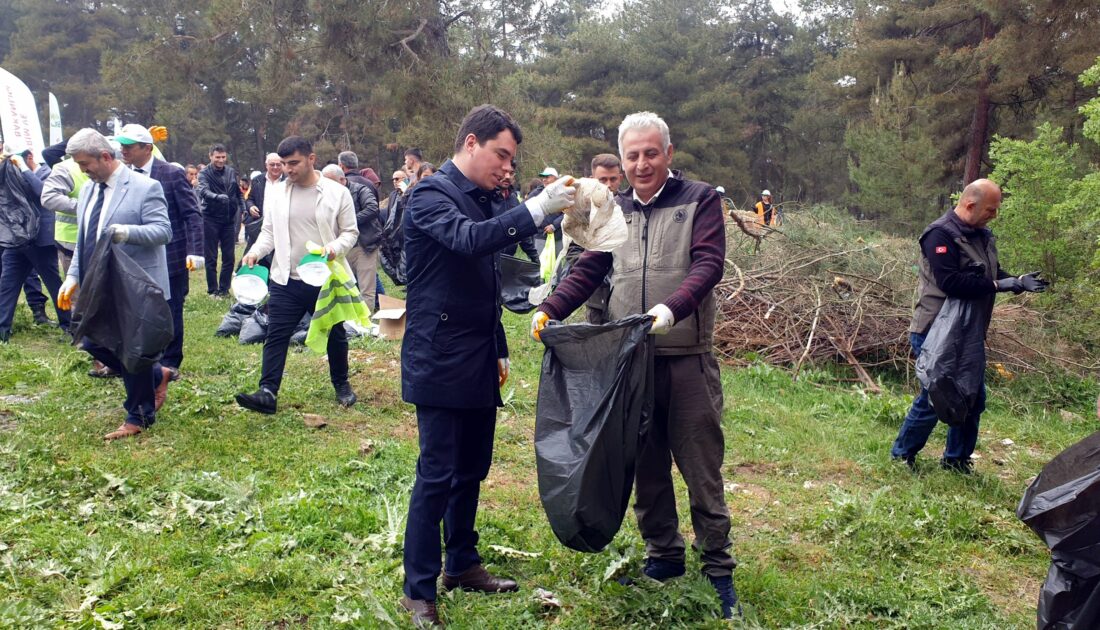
(538, 322)
(65, 294)
(502, 371)
(159, 133)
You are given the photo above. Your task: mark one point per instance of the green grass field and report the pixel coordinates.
(219, 517)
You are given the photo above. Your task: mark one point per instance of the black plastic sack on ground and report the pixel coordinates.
(18, 217)
(1062, 506)
(951, 365)
(301, 331)
(254, 328)
(234, 319)
(517, 278)
(122, 309)
(595, 400)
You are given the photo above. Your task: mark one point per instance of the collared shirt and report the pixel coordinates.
(147, 168)
(655, 195)
(108, 193)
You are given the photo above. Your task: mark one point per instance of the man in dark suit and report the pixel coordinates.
(128, 208)
(454, 358)
(185, 252)
(254, 218)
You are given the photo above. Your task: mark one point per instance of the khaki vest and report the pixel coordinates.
(972, 255)
(650, 266)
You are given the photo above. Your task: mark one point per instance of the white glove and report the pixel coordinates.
(119, 233)
(195, 263)
(662, 320)
(538, 322)
(554, 198)
(502, 370)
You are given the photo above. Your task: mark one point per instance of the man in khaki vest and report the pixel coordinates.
(958, 259)
(668, 267)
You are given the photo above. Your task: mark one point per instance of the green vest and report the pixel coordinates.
(65, 230)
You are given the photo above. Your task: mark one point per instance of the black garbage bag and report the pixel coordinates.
(391, 249)
(18, 216)
(951, 365)
(1062, 506)
(231, 323)
(517, 278)
(254, 328)
(122, 309)
(301, 331)
(595, 400)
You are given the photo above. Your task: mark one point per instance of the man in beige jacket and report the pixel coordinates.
(305, 207)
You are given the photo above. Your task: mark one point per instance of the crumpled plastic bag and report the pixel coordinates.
(1062, 506)
(951, 365)
(254, 328)
(595, 221)
(234, 319)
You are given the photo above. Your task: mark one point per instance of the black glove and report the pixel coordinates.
(223, 198)
(1033, 283)
(1010, 284)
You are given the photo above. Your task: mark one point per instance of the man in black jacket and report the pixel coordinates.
(349, 164)
(254, 218)
(363, 258)
(221, 201)
(507, 198)
(958, 259)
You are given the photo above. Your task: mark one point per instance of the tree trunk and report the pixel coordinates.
(979, 123)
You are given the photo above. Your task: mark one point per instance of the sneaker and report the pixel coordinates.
(662, 570)
(344, 394)
(961, 466)
(262, 400)
(727, 595)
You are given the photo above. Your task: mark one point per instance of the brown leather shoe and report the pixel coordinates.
(124, 431)
(424, 613)
(160, 394)
(102, 371)
(476, 578)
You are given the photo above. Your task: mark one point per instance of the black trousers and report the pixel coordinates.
(456, 450)
(285, 307)
(218, 235)
(17, 263)
(180, 285)
(139, 404)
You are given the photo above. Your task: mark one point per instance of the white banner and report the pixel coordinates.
(55, 121)
(18, 115)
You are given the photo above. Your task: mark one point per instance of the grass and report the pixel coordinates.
(222, 518)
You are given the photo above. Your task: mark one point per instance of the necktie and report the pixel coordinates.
(91, 228)
(140, 170)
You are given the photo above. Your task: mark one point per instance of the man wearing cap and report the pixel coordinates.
(128, 208)
(454, 354)
(222, 202)
(254, 219)
(766, 213)
(303, 209)
(21, 264)
(673, 258)
(185, 251)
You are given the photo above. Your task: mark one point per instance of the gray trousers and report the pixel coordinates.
(365, 268)
(686, 428)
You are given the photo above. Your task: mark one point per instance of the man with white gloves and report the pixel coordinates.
(668, 268)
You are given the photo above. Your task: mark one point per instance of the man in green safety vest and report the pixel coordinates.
(60, 192)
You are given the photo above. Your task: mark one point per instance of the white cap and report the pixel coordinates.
(721, 190)
(766, 193)
(133, 134)
(548, 172)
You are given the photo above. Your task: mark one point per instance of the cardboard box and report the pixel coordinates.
(390, 317)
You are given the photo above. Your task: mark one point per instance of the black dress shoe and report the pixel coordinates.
(476, 578)
(262, 401)
(424, 613)
(40, 317)
(344, 395)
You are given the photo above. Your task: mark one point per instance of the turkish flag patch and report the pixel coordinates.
(941, 249)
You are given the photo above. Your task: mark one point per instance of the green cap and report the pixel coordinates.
(256, 270)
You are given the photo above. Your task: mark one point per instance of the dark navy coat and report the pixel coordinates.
(33, 191)
(453, 335)
(183, 212)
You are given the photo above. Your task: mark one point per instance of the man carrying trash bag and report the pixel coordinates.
(454, 358)
(674, 284)
(958, 260)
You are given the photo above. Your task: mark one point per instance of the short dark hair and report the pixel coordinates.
(486, 122)
(217, 148)
(415, 152)
(424, 166)
(294, 144)
(533, 184)
(27, 154)
(606, 160)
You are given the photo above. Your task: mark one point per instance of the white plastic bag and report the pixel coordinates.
(595, 222)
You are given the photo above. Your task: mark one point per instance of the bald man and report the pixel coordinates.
(959, 260)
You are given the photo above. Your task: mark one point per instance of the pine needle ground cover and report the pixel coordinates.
(219, 517)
